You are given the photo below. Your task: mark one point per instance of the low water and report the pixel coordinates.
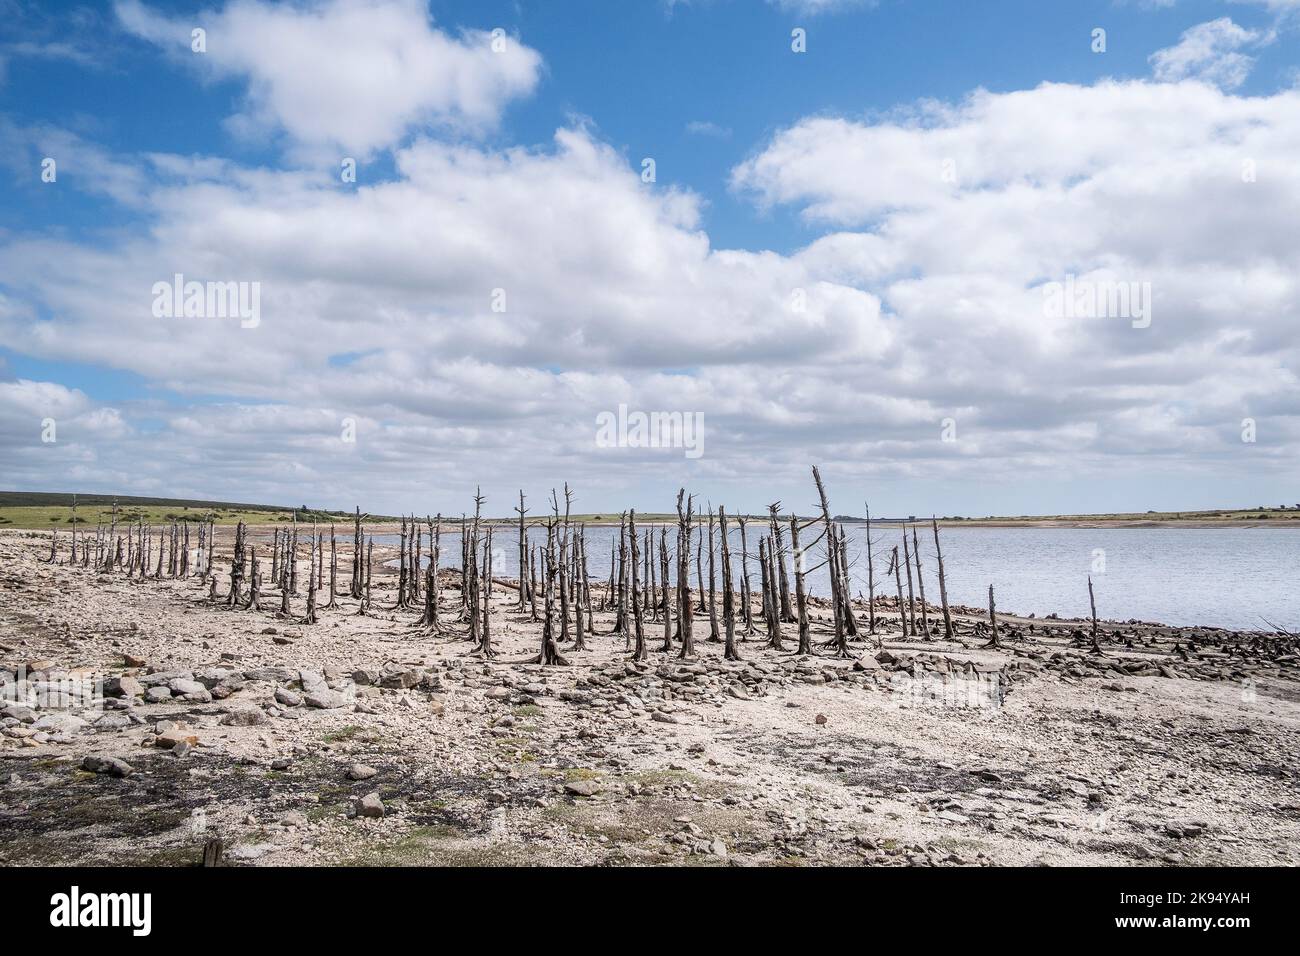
(1214, 577)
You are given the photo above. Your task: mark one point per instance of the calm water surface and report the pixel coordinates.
(1219, 577)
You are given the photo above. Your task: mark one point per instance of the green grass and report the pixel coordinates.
(20, 509)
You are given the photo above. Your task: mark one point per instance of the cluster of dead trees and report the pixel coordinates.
(180, 549)
(760, 593)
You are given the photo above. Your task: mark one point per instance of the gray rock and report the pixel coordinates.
(123, 687)
(60, 723)
(183, 686)
(287, 697)
(583, 788)
(157, 695)
(113, 766)
(370, 806)
(325, 699)
(359, 771)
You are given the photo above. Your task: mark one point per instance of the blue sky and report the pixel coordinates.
(173, 161)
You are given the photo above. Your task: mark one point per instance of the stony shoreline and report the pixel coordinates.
(363, 739)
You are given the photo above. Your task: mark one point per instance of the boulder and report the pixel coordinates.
(113, 766)
(123, 687)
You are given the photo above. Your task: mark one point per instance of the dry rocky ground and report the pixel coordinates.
(364, 740)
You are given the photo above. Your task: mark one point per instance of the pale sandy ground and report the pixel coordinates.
(1081, 764)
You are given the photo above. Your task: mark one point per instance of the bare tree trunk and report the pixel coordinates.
(943, 582)
(255, 585)
(728, 592)
(832, 551)
(334, 570)
(668, 608)
(911, 601)
(920, 583)
(787, 615)
(485, 635)
(1092, 600)
(898, 582)
(993, 621)
(713, 599)
(800, 594)
(871, 578)
(746, 592)
(358, 549)
(638, 623)
(685, 612)
(525, 585)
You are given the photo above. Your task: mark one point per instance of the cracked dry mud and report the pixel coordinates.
(1181, 748)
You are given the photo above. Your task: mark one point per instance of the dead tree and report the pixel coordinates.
(358, 548)
(771, 600)
(430, 618)
(685, 612)
(871, 580)
(403, 568)
(54, 547)
(652, 589)
(638, 622)
(800, 593)
(485, 632)
(850, 621)
(746, 594)
(993, 622)
(838, 599)
(898, 582)
(911, 600)
(524, 583)
(311, 584)
(728, 591)
(920, 583)
(713, 599)
(578, 576)
(550, 652)
(334, 569)
(943, 581)
(255, 582)
(564, 563)
(773, 510)
(236, 567)
(1092, 600)
(293, 556)
(663, 574)
(73, 559)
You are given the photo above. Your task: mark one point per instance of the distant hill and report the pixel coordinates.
(47, 499)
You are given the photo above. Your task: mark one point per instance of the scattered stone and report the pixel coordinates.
(287, 697)
(583, 788)
(168, 739)
(370, 806)
(123, 687)
(359, 771)
(113, 766)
